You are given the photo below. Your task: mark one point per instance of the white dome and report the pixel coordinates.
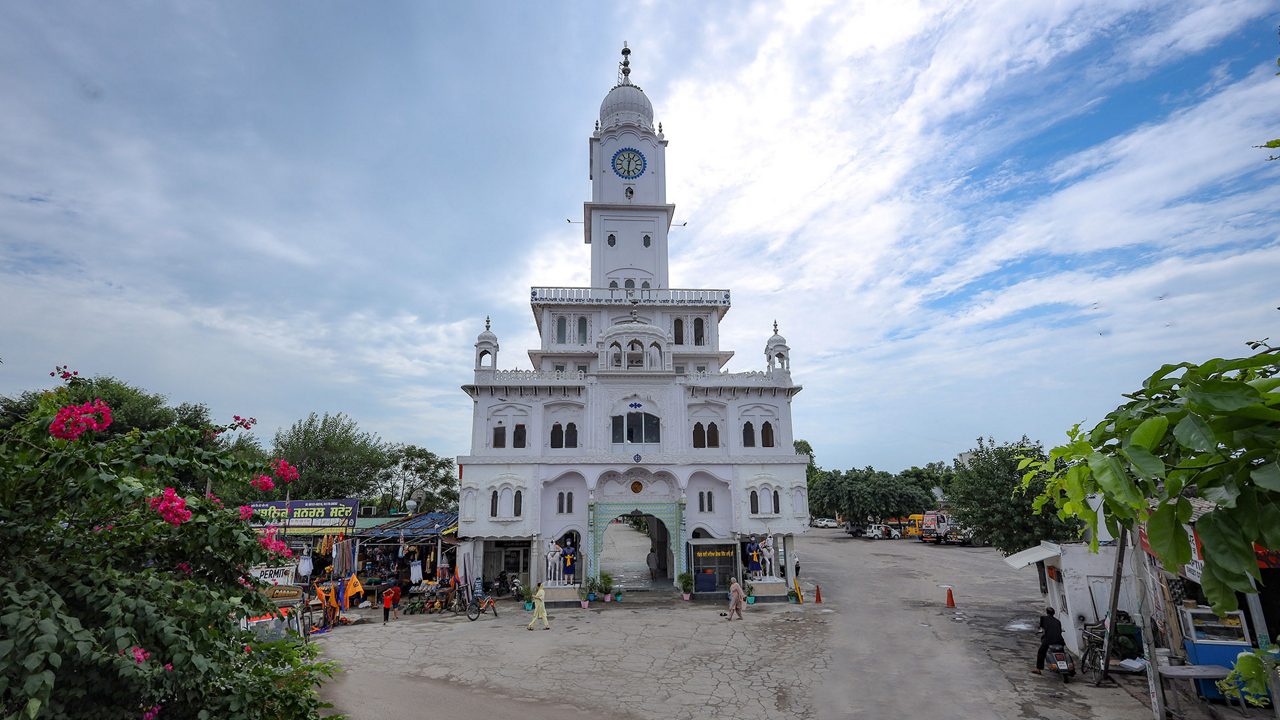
(487, 336)
(776, 339)
(626, 104)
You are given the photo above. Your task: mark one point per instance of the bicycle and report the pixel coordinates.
(479, 605)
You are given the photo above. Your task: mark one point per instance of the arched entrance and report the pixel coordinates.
(626, 547)
(639, 493)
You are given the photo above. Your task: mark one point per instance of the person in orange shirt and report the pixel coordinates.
(386, 606)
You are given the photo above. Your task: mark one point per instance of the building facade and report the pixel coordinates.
(628, 410)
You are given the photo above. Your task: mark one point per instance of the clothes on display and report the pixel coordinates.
(415, 572)
(304, 566)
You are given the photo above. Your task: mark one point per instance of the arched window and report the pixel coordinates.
(711, 501)
(702, 502)
(630, 284)
(582, 331)
(644, 285)
(493, 504)
(560, 503)
(571, 438)
(499, 437)
(635, 354)
(713, 435)
(613, 240)
(679, 331)
(655, 357)
(561, 332)
(766, 435)
(517, 503)
(755, 503)
(568, 502)
(776, 505)
(613, 284)
(486, 359)
(647, 241)
(699, 441)
(748, 435)
(636, 427)
(699, 332)
(615, 355)
(517, 437)
(557, 436)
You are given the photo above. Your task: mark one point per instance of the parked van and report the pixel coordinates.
(912, 528)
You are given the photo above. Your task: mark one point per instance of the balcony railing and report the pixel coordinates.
(625, 296)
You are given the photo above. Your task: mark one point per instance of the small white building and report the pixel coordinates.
(627, 409)
(1078, 583)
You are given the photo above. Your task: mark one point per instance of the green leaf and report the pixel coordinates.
(1149, 434)
(1267, 476)
(1221, 395)
(1222, 492)
(1193, 433)
(1113, 478)
(1225, 546)
(1167, 538)
(1268, 526)
(1144, 462)
(1221, 596)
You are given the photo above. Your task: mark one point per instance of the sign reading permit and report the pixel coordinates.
(308, 517)
(272, 575)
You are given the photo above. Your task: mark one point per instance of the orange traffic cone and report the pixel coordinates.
(817, 596)
(951, 600)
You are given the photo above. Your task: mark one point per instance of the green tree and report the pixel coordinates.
(118, 598)
(812, 472)
(934, 475)
(1208, 431)
(336, 458)
(131, 407)
(420, 474)
(988, 497)
(867, 495)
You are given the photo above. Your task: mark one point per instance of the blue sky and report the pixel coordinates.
(968, 218)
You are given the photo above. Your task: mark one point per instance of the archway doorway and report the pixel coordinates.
(624, 554)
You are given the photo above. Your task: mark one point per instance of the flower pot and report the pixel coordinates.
(591, 596)
(751, 600)
(617, 597)
(528, 605)
(585, 603)
(684, 596)
(608, 597)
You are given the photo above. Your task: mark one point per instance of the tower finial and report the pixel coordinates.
(775, 327)
(624, 68)
(486, 322)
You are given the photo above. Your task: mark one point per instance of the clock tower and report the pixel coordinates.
(627, 219)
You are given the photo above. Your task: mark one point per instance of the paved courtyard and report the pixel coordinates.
(881, 645)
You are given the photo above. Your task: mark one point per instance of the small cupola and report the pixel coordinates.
(486, 348)
(776, 351)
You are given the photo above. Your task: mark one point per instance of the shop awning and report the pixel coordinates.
(414, 528)
(1033, 555)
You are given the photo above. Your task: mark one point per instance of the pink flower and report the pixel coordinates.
(151, 712)
(246, 512)
(171, 507)
(168, 667)
(248, 649)
(273, 545)
(214, 499)
(244, 581)
(184, 567)
(72, 420)
(263, 483)
(139, 655)
(283, 471)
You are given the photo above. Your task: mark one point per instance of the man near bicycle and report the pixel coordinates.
(1051, 634)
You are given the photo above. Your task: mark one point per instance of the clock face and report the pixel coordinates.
(628, 163)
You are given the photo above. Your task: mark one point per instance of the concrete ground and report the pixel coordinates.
(881, 645)
(623, 556)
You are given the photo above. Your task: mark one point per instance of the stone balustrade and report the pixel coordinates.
(625, 296)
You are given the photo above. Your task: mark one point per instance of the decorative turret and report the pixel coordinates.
(486, 348)
(777, 352)
(626, 103)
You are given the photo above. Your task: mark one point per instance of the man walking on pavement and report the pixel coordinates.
(652, 561)
(1051, 628)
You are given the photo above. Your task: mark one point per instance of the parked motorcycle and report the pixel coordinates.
(506, 585)
(1061, 662)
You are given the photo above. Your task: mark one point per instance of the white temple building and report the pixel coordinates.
(628, 410)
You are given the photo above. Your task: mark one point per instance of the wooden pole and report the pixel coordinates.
(1155, 688)
(1116, 576)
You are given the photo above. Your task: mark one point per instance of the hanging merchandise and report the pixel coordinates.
(415, 572)
(304, 566)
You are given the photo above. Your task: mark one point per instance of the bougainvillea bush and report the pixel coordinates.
(123, 597)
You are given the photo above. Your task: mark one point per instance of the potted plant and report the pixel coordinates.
(686, 585)
(751, 593)
(606, 586)
(791, 596)
(593, 587)
(583, 596)
(527, 592)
